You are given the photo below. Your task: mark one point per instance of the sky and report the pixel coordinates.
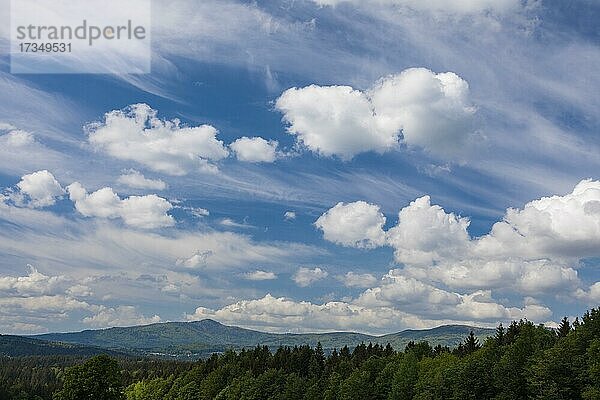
(310, 166)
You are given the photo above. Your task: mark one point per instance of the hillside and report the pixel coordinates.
(200, 338)
(446, 335)
(18, 346)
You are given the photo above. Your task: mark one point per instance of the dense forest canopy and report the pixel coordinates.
(521, 361)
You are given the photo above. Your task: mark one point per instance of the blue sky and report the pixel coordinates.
(353, 112)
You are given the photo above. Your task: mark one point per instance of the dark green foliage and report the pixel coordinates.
(569, 369)
(438, 379)
(99, 378)
(420, 350)
(404, 378)
(515, 357)
(470, 345)
(39, 377)
(523, 361)
(564, 328)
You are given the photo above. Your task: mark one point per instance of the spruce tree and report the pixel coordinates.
(499, 336)
(564, 328)
(471, 343)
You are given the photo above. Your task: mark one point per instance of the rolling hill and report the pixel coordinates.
(201, 338)
(18, 346)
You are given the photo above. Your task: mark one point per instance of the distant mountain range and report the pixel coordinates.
(191, 340)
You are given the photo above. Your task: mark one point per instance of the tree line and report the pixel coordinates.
(521, 361)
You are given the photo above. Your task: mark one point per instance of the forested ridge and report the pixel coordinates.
(200, 339)
(521, 361)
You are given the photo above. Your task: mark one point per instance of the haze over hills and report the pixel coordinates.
(201, 338)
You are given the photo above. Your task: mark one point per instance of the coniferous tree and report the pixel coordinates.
(320, 355)
(471, 343)
(499, 337)
(564, 328)
(345, 352)
(388, 351)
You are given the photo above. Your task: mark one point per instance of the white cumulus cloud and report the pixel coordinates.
(136, 134)
(432, 110)
(426, 234)
(533, 250)
(26, 301)
(334, 120)
(41, 188)
(556, 226)
(591, 296)
(428, 110)
(119, 316)
(137, 180)
(306, 276)
(358, 224)
(255, 149)
(146, 212)
(33, 283)
(353, 279)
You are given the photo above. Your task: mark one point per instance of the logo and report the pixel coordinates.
(73, 36)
